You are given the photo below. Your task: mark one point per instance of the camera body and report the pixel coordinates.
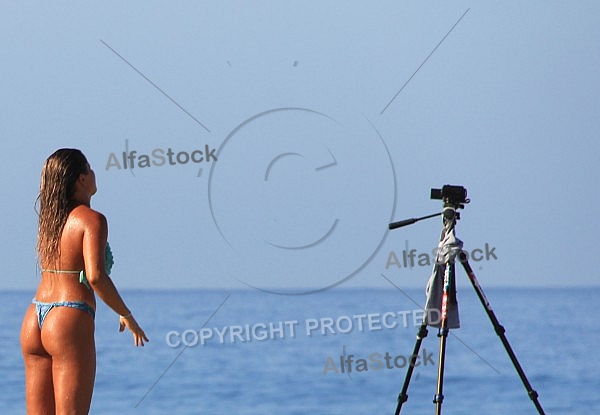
(455, 195)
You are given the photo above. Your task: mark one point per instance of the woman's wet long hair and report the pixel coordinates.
(57, 188)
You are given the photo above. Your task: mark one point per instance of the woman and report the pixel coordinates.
(57, 336)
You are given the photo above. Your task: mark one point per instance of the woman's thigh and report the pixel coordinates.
(68, 336)
(39, 389)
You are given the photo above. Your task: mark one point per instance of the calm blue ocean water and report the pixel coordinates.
(554, 333)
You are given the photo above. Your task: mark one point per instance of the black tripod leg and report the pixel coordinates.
(447, 296)
(438, 398)
(403, 396)
(533, 395)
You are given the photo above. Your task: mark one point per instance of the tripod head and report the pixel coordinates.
(454, 198)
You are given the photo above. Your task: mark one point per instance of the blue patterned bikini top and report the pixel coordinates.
(108, 261)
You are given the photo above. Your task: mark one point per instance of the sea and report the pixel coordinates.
(338, 351)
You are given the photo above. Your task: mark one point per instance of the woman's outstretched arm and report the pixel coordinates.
(94, 244)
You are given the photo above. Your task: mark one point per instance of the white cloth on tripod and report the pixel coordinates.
(448, 249)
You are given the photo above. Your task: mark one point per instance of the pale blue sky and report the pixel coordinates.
(506, 106)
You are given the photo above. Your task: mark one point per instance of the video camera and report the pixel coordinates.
(455, 195)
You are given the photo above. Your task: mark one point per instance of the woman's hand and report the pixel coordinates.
(138, 334)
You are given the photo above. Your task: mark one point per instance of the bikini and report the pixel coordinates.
(42, 309)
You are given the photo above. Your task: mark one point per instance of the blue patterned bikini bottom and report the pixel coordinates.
(42, 309)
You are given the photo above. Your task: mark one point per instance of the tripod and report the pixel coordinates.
(454, 197)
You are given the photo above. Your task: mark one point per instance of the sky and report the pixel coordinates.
(299, 130)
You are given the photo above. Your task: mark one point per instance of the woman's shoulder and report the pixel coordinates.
(88, 216)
